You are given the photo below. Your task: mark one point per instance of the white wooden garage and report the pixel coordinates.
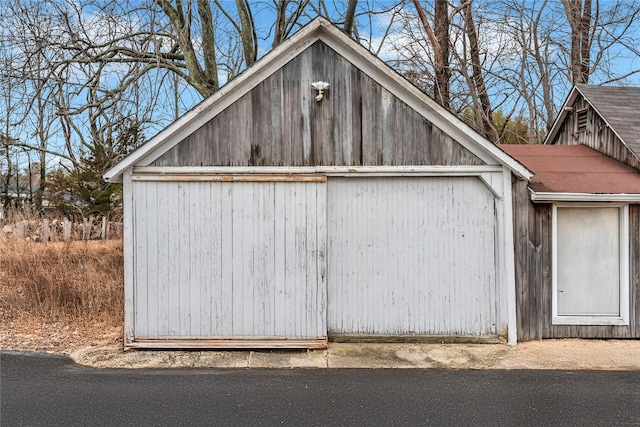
(266, 218)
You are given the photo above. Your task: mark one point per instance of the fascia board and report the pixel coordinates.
(542, 197)
(560, 118)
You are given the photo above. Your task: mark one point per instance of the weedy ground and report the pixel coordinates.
(60, 296)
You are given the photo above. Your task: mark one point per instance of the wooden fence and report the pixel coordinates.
(46, 230)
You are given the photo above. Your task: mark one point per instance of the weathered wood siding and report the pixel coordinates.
(279, 123)
(533, 240)
(229, 260)
(597, 135)
(532, 235)
(412, 256)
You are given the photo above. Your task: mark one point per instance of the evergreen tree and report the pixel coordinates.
(82, 190)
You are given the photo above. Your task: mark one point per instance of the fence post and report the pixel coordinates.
(87, 223)
(104, 227)
(21, 229)
(91, 226)
(44, 230)
(66, 229)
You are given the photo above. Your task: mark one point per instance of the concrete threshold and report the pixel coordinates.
(573, 354)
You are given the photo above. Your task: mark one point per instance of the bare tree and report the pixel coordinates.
(28, 42)
(579, 16)
(288, 15)
(600, 33)
(7, 168)
(83, 65)
(526, 68)
(84, 74)
(482, 103)
(440, 42)
(350, 17)
(519, 57)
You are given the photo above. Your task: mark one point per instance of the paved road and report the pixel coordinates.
(50, 390)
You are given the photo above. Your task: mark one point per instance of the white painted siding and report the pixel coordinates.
(229, 259)
(411, 256)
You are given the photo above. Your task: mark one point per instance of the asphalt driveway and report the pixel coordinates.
(38, 390)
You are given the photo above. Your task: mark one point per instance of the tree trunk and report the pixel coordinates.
(6, 145)
(281, 22)
(585, 42)
(42, 140)
(443, 72)
(439, 40)
(579, 17)
(350, 17)
(7, 177)
(196, 77)
(483, 117)
(286, 20)
(247, 33)
(208, 44)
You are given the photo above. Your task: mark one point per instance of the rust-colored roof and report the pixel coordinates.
(574, 169)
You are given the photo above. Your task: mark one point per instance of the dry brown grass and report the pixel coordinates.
(73, 288)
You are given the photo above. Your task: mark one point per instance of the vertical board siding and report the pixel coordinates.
(411, 256)
(229, 260)
(279, 123)
(532, 225)
(524, 257)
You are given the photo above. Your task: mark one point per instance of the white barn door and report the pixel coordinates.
(411, 256)
(230, 261)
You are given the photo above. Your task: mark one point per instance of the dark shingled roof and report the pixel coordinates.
(620, 108)
(574, 169)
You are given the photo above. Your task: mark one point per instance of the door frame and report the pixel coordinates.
(623, 253)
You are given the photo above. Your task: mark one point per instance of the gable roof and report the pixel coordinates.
(575, 169)
(317, 30)
(619, 107)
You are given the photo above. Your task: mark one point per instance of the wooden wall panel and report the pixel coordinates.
(532, 231)
(532, 227)
(232, 260)
(279, 123)
(524, 259)
(588, 331)
(412, 256)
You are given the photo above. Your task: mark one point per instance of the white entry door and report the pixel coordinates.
(590, 268)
